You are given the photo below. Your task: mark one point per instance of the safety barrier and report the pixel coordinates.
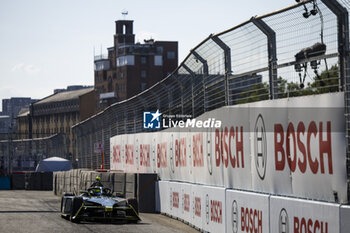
(5, 183)
(27, 181)
(292, 147)
(214, 209)
(38, 181)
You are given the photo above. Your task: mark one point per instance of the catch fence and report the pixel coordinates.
(25, 154)
(300, 50)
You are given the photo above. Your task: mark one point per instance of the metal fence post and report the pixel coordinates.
(156, 97)
(182, 96)
(228, 68)
(344, 69)
(193, 75)
(125, 117)
(169, 96)
(144, 104)
(271, 48)
(205, 74)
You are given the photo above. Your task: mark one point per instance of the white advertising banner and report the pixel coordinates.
(117, 156)
(198, 206)
(317, 148)
(206, 163)
(263, 116)
(292, 146)
(163, 187)
(145, 155)
(175, 199)
(231, 147)
(214, 219)
(185, 202)
(247, 212)
(291, 215)
(129, 153)
(344, 218)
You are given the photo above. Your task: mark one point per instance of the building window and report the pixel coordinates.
(158, 60)
(128, 60)
(143, 74)
(143, 60)
(143, 86)
(160, 49)
(171, 55)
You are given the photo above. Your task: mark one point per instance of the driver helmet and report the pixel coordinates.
(97, 191)
(98, 178)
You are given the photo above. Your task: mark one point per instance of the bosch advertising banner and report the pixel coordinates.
(247, 212)
(186, 204)
(175, 199)
(289, 215)
(214, 209)
(198, 211)
(293, 147)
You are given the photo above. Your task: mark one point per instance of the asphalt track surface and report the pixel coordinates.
(39, 211)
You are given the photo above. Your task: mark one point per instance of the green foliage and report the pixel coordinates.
(258, 92)
(324, 83)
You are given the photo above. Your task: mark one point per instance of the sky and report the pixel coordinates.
(46, 44)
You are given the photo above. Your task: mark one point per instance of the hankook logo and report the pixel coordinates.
(283, 223)
(260, 146)
(207, 208)
(234, 212)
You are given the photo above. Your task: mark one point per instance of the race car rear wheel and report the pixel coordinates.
(76, 204)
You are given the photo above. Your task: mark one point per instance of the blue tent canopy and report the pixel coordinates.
(54, 164)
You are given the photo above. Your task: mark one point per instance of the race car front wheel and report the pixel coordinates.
(133, 202)
(76, 204)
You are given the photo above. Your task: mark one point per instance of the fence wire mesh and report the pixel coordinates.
(233, 67)
(25, 154)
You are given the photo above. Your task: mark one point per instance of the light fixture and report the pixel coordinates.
(314, 11)
(306, 14)
(297, 67)
(314, 64)
(302, 57)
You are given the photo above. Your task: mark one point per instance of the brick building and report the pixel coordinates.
(129, 68)
(56, 114)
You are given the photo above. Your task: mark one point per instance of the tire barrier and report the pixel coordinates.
(139, 186)
(215, 209)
